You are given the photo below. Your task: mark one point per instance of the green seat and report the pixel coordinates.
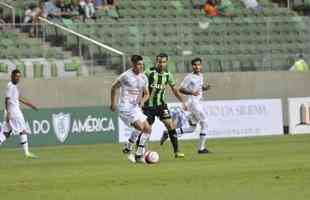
(3, 68)
(73, 65)
(37, 70)
(54, 69)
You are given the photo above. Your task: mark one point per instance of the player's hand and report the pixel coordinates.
(207, 87)
(195, 93)
(34, 108)
(113, 107)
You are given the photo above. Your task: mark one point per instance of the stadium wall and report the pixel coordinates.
(94, 91)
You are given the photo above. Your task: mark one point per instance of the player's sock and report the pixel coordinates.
(174, 140)
(2, 138)
(132, 140)
(143, 139)
(202, 141)
(179, 131)
(24, 143)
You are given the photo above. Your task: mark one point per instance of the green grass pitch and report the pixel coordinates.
(263, 168)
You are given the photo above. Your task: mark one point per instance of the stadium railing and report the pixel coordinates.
(92, 51)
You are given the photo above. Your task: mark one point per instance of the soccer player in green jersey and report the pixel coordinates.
(156, 105)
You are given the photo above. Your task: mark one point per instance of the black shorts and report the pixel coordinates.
(162, 112)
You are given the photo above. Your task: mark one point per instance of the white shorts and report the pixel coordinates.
(133, 115)
(16, 124)
(197, 111)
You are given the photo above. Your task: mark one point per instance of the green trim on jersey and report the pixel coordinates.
(157, 85)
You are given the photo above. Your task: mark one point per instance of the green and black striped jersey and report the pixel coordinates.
(157, 85)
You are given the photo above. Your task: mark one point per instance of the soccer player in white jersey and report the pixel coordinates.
(134, 93)
(14, 119)
(193, 86)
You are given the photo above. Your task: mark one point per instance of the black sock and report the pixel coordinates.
(7, 134)
(138, 141)
(174, 140)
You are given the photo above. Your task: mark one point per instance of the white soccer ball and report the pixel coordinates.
(151, 157)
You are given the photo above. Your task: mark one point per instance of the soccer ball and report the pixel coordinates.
(151, 157)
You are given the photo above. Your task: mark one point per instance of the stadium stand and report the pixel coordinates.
(246, 41)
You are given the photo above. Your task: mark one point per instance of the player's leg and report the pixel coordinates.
(128, 146)
(4, 133)
(182, 124)
(202, 138)
(199, 114)
(25, 145)
(165, 117)
(18, 124)
(135, 135)
(145, 128)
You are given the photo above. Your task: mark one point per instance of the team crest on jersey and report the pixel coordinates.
(61, 124)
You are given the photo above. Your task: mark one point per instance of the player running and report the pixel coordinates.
(134, 92)
(193, 86)
(14, 118)
(156, 105)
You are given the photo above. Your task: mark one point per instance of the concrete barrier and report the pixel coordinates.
(95, 91)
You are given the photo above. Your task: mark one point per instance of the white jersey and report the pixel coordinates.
(13, 102)
(193, 82)
(132, 87)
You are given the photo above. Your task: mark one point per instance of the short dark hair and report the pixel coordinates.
(162, 55)
(136, 58)
(15, 71)
(196, 60)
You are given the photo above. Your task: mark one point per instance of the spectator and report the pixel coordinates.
(210, 8)
(69, 7)
(52, 12)
(32, 15)
(112, 3)
(198, 5)
(226, 8)
(112, 9)
(89, 8)
(99, 4)
(2, 22)
(300, 64)
(253, 5)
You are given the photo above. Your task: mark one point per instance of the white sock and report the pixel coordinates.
(24, 143)
(141, 146)
(202, 141)
(132, 140)
(179, 131)
(2, 137)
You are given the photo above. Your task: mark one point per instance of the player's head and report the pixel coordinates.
(197, 65)
(137, 63)
(161, 61)
(15, 76)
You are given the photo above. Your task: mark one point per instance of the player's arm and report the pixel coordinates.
(115, 86)
(27, 103)
(145, 97)
(188, 92)
(176, 92)
(178, 96)
(6, 102)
